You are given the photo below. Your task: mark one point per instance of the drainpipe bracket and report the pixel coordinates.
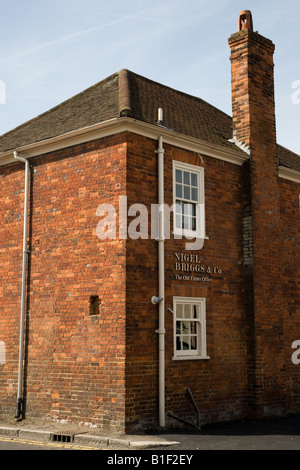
(161, 331)
(156, 300)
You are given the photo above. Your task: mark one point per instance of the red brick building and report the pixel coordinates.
(123, 331)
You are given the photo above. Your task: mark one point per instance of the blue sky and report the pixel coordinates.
(52, 49)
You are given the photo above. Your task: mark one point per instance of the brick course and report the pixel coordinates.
(74, 362)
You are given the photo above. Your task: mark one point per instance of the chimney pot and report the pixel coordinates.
(245, 20)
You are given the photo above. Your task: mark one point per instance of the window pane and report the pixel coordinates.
(194, 194)
(186, 223)
(186, 177)
(178, 343)
(193, 209)
(194, 179)
(194, 342)
(185, 326)
(196, 311)
(187, 311)
(178, 207)
(186, 192)
(193, 227)
(185, 342)
(178, 190)
(178, 221)
(193, 327)
(186, 208)
(178, 327)
(179, 311)
(178, 176)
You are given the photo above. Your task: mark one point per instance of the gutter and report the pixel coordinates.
(126, 124)
(19, 412)
(289, 174)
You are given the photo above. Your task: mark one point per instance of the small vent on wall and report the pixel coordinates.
(95, 305)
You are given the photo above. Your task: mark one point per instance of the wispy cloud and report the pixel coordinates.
(59, 41)
(140, 16)
(143, 15)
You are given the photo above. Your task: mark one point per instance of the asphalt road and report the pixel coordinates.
(267, 434)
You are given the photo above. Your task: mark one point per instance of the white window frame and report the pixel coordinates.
(200, 204)
(201, 351)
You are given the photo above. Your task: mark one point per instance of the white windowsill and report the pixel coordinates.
(189, 358)
(191, 236)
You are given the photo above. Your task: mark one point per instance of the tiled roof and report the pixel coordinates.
(183, 113)
(128, 94)
(287, 158)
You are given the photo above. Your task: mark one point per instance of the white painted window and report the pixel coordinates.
(189, 328)
(188, 200)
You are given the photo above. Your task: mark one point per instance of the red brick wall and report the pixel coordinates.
(11, 236)
(249, 334)
(290, 280)
(103, 370)
(74, 362)
(218, 384)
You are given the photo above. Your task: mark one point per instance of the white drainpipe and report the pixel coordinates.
(23, 294)
(161, 285)
(161, 281)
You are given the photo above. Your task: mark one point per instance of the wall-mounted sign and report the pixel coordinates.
(190, 267)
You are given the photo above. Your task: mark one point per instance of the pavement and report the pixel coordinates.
(266, 434)
(81, 436)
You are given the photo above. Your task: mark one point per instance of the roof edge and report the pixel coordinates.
(121, 124)
(289, 174)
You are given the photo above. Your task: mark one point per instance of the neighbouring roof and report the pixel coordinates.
(128, 94)
(287, 158)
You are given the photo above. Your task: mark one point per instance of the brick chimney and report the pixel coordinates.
(252, 77)
(253, 113)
